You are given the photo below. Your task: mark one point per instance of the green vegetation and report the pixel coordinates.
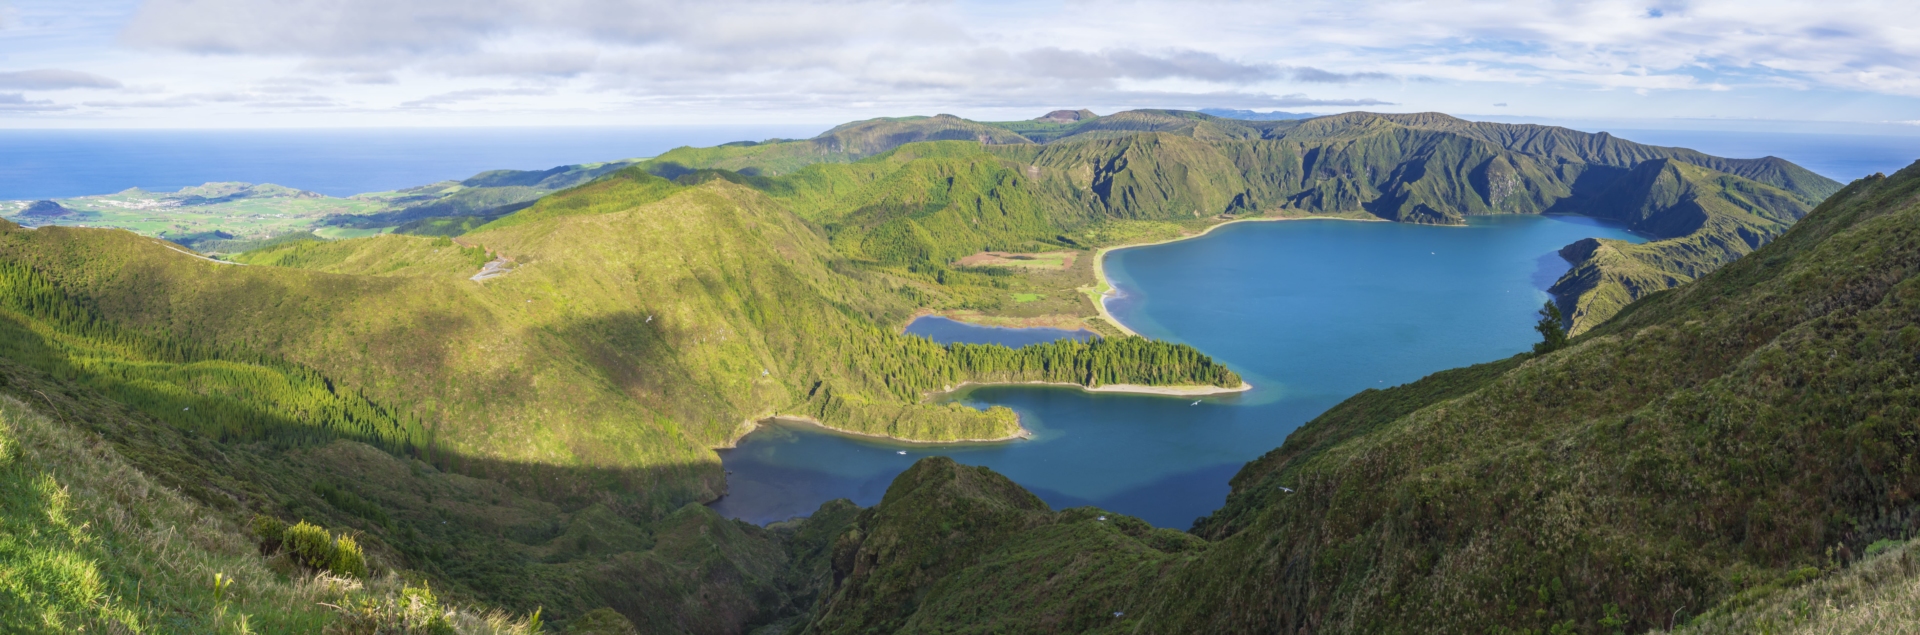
(89, 542)
(1880, 594)
(439, 209)
(540, 441)
(222, 218)
(1552, 328)
(1738, 442)
(1155, 175)
(208, 213)
(231, 393)
(392, 255)
(1704, 219)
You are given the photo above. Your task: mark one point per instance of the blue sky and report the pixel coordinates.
(1850, 66)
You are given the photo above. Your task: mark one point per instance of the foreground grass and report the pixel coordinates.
(89, 543)
(1880, 595)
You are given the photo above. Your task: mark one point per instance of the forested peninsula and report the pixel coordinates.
(516, 402)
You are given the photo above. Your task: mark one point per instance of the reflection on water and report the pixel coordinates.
(1309, 312)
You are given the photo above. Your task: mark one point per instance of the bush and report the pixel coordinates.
(271, 532)
(348, 560)
(311, 545)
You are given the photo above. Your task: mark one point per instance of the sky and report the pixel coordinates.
(357, 63)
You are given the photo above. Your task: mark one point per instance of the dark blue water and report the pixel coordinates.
(37, 164)
(947, 331)
(1309, 311)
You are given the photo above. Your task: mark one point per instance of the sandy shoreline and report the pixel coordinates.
(1104, 289)
(1127, 389)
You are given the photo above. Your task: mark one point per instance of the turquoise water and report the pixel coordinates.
(1309, 312)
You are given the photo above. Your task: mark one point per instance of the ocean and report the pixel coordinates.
(45, 164)
(39, 164)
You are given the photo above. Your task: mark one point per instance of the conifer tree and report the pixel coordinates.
(1552, 328)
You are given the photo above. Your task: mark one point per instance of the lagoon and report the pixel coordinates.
(1309, 312)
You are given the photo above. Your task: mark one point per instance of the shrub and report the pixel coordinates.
(271, 532)
(347, 559)
(311, 545)
(1883, 544)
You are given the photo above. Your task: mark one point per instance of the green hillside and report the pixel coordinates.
(523, 416)
(1704, 219)
(452, 208)
(923, 205)
(1738, 442)
(365, 384)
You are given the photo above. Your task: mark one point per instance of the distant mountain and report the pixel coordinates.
(1170, 165)
(453, 207)
(1255, 116)
(1067, 116)
(45, 209)
(226, 192)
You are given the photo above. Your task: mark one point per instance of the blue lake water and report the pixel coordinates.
(37, 164)
(1309, 312)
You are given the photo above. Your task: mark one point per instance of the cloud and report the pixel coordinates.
(687, 48)
(16, 102)
(913, 56)
(539, 64)
(1317, 76)
(1126, 64)
(262, 100)
(459, 96)
(54, 79)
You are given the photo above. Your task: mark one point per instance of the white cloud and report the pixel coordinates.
(15, 102)
(475, 94)
(54, 79)
(757, 54)
(848, 57)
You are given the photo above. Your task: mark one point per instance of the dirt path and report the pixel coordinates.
(495, 268)
(224, 262)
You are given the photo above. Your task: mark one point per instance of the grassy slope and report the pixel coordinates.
(449, 207)
(487, 380)
(475, 539)
(1703, 218)
(1711, 439)
(1879, 596)
(386, 255)
(87, 541)
(91, 542)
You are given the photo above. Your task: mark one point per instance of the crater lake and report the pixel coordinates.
(1308, 311)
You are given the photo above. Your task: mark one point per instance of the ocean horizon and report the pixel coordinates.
(65, 163)
(49, 164)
